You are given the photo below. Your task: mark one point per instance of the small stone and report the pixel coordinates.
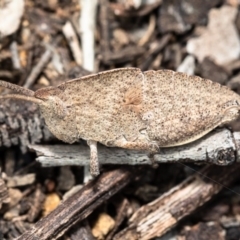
(51, 202)
(102, 226)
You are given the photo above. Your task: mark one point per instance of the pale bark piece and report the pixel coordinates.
(73, 42)
(87, 24)
(17, 181)
(219, 40)
(217, 147)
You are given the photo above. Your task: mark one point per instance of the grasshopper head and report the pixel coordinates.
(55, 107)
(58, 113)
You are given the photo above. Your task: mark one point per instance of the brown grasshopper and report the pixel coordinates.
(132, 109)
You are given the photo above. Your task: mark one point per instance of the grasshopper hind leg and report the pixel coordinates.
(149, 146)
(231, 112)
(140, 144)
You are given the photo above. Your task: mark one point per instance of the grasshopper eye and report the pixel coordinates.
(45, 93)
(41, 94)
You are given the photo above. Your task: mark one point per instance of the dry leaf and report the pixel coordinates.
(10, 16)
(220, 40)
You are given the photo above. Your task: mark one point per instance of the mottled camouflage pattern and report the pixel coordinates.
(134, 109)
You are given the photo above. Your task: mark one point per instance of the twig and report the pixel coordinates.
(103, 15)
(153, 53)
(15, 55)
(79, 206)
(87, 28)
(216, 148)
(159, 216)
(149, 32)
(45, 58)
(72, 39)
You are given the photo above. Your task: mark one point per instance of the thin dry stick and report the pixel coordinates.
(15, 55)
(87, 28)
(73, 42)
(45, 58)
(151, 55)
(150, 30)
(104, 25)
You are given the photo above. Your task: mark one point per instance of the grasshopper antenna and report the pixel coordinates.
(27, 95)
(22, 97)
(16, 88)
